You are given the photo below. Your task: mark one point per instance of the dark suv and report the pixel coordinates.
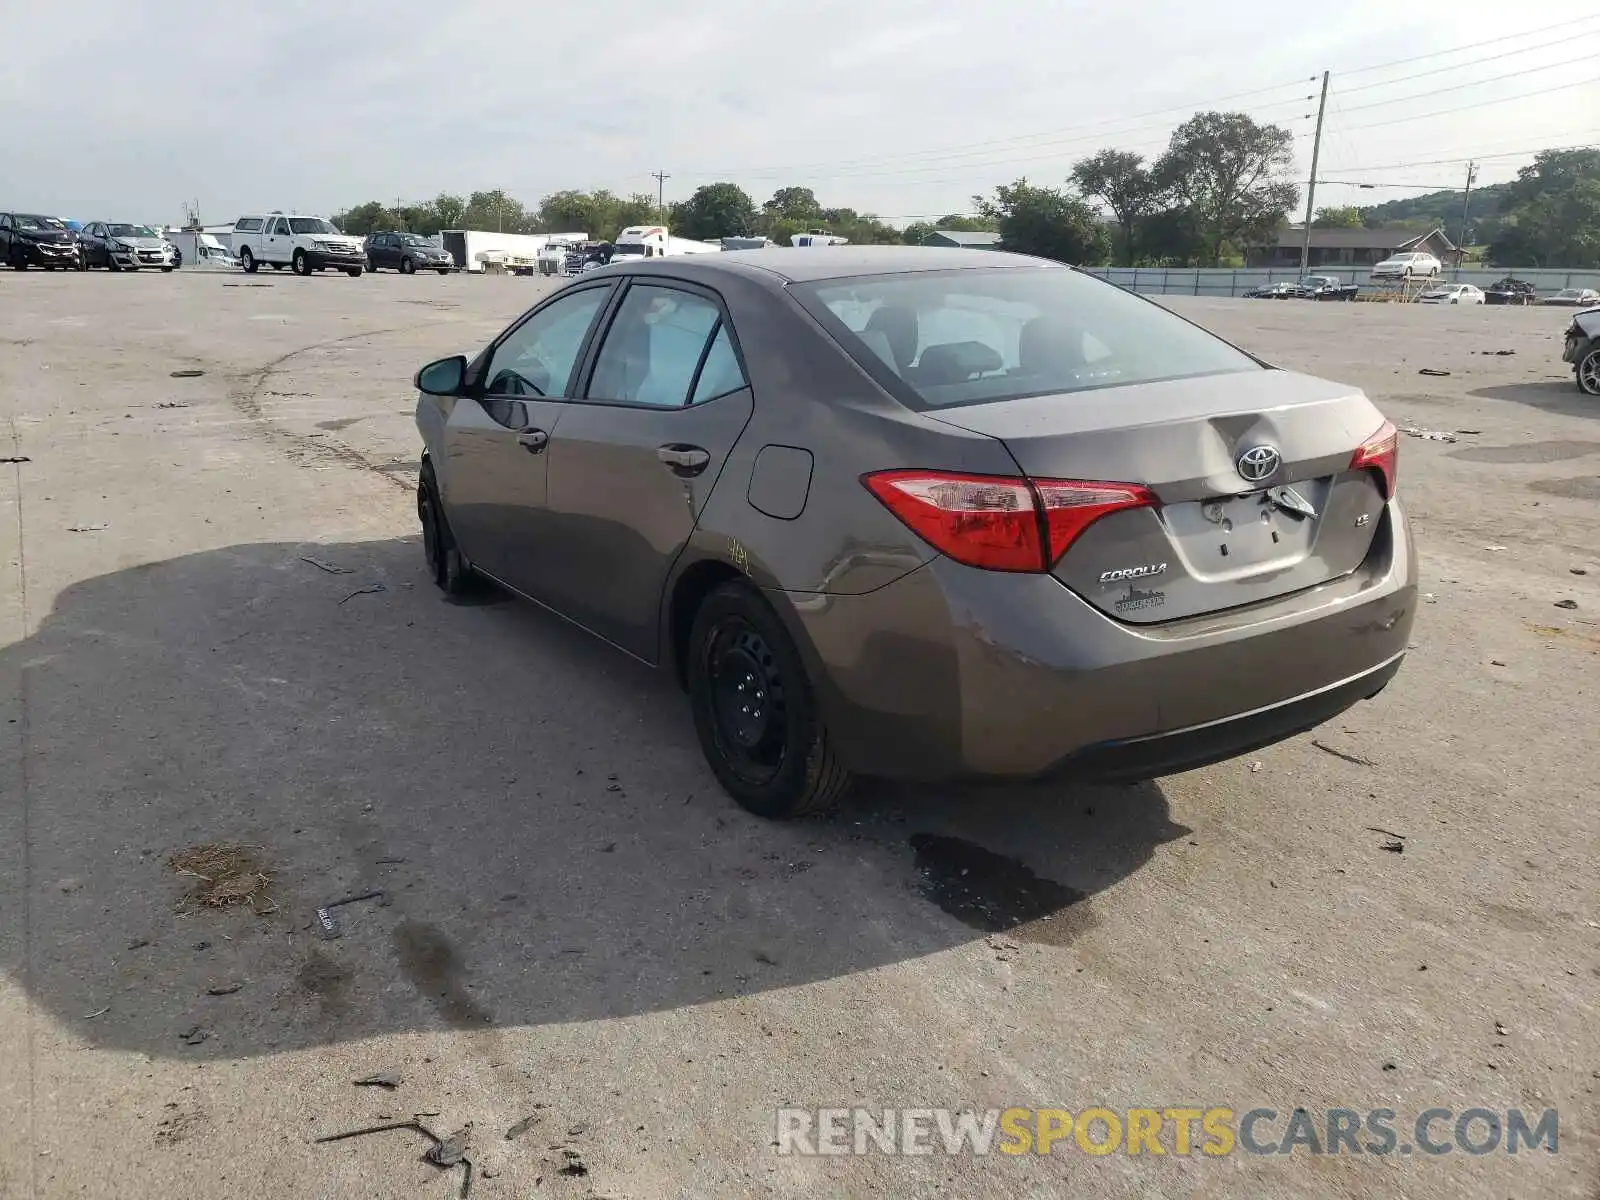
(30, 240)
(406, 253)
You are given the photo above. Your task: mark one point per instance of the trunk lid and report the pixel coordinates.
(1218, 539)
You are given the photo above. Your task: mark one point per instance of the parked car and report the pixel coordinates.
(1574, 297)
(304, 243)
(122, 247)
(1511, 290)
(1408, 266)
(1273, 291)
(406, 252)
(1583, 350)
(35, 240)
(1451, 293)
(925, 513)
(1325, 287)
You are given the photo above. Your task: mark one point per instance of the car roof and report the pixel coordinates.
(793, 264)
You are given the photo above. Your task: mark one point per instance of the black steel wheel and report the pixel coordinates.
(754, 711)
(447, 566)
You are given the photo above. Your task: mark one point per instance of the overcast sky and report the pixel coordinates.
(900, 107)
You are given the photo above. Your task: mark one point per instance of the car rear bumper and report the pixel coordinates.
(955, 672)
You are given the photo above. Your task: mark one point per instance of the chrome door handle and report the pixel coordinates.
(684, 460)
(533, 440)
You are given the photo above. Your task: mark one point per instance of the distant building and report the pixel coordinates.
(961, 239)
(1350, 247)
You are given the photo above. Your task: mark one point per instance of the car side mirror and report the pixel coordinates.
(443, 378)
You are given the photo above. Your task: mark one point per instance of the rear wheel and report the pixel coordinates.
(447, 566)
(1588, 373)
(754, 710)
(248, 261)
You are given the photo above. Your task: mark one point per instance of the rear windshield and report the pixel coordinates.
(940, 338)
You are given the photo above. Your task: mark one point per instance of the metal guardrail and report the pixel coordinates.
(1226, 281)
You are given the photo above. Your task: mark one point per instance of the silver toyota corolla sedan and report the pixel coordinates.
(925, 514)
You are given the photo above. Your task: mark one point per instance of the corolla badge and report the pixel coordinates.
(1124, 574)
(1259, 463)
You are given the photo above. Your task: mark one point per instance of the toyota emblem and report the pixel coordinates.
(1259, 463)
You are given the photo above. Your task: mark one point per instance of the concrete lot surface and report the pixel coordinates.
(580, 928)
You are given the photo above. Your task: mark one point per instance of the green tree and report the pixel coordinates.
(1046, 222)
(793, 204)
(495, 211)
(959, 223)
(1550, 214)
(1125, 185)
(450, 210)
(1339, 216)
(565, 212)
(915, 233)
(1228, 171)
(371, 217)
(1170, 237)
(715, 210)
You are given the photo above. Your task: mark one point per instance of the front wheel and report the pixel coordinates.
(166, 270)
(444, 270)
(248, 261)
(754, 710)
(1588, 373)
(301, 264)
(447, 566)
(354, 272)
(407, 267)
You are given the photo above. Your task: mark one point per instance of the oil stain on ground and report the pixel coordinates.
(326, 980)
(434, 967)
(1579, 487)
(340, 423)
(994, 893)
(1527, 452)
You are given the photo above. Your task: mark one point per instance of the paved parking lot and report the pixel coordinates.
(214, 628)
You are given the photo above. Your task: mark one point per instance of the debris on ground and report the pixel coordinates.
(1394, 847)
(1432, 371)
(1428, 435)
(193, 1036)
(384, 1079)
(1495, 662)
(1386, 832)
(16, 458)
(228, 874)
(441, 1149)
(1429, 598)
(1472, 432)
(329, 924)
(1494, 548)
(527, 1123)
(247, 285)
(224, 989)
(329, 567)
(1566, 604)
(1349, 758)
(1578, 570)
(1503, 353)
(366, 591)
(171, 404)
(99, 1012)
(1255, 766)
(573, 1164)
(87, 528)
(187, 373)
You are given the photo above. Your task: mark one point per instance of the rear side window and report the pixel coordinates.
(721, 372)
(248, 224)
(940, 338)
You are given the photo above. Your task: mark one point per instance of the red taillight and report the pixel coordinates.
(1381, 453)
(1000, 522)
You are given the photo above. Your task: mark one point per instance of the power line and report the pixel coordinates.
(1582, 58)
(1494, 41)
(1447, 112)
(1562, 41)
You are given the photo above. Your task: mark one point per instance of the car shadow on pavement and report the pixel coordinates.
(532, 807)
(1559, 396)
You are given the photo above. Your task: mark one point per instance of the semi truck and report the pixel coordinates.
(653, 241)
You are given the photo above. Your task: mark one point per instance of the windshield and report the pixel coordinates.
(130, 231)
(24, 222)
(940, 338)
(628, 248)
(310, 225)
(416, 239)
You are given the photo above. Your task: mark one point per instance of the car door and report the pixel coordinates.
(276, 242)
(496, 438)
(383, 250)
(634, 460)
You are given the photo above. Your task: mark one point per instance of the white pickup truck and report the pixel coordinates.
(303, 243)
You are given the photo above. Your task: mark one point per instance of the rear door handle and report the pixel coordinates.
(684, 460)
(533, 440)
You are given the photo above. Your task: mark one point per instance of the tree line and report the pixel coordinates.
(1220, 187)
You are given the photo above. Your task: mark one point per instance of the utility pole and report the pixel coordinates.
(661, 178)
(1311, 184)
(1466, 201)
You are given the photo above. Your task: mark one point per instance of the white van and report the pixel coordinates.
(304, 243)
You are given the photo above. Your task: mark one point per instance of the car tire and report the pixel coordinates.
(443, 270)
(301, 264)
(449, 569)
(773, 754)
(166, 270)
(248, 261)
(407, 267)
(1587, 372)
(355, 272)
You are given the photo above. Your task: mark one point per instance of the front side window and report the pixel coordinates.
(536, 358)
(654, 347)
(939, 338)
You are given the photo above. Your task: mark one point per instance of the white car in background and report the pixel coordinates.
(1410, 265)
(1452, 293)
